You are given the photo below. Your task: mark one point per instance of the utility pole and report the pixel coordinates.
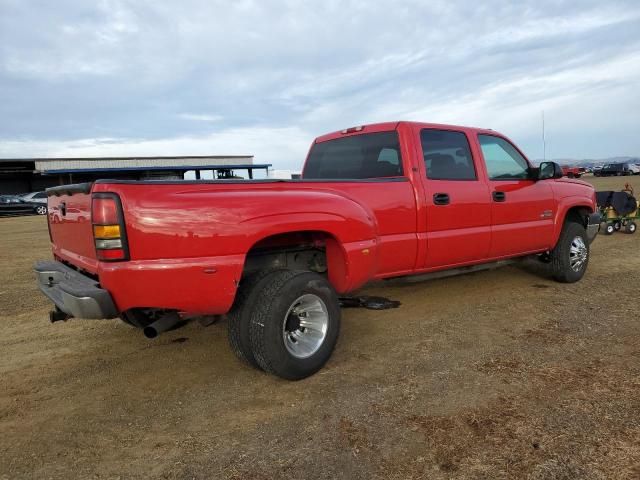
(544, 142)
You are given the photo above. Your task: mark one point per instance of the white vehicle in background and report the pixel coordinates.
(634, 168)
(39, 198)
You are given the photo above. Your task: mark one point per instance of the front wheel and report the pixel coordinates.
(570, 257)
(294, 324)
(41, 210)
(609, 228)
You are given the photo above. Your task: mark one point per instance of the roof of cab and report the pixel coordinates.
(388, 126)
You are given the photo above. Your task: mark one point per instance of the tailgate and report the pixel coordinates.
(70, 225)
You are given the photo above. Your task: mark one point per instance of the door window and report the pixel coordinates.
(447, 155)
(503, 160)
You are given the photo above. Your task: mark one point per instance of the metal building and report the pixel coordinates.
(35, 174)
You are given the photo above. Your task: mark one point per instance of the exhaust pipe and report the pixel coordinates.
(164, 323)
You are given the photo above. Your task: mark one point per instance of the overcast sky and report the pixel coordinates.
(84, 78)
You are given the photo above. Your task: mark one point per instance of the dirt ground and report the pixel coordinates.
(499, 374)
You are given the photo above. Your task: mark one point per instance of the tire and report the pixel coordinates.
(570, 175)
(609, 229)
(41, 210)
(630, 228)
(239, 317)
(280, 343)
(617, 226)
(570, 257)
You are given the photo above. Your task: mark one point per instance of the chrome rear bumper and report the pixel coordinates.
(73, 293)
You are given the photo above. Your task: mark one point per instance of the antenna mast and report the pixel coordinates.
(544, 142)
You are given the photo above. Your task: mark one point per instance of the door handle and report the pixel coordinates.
(499, 196)
(441, 198)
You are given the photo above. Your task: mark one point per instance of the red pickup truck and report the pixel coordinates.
(374, 202)
(573, 172)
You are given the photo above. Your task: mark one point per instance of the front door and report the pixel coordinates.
(522, 209)
(458, 206)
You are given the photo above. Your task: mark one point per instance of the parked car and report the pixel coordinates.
(615, 169)
(634, 169)
(35, 197)
(374, 202)
(596, 170)
(39, 198)
(13, 205)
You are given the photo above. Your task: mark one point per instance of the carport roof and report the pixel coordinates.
(253, 166)
(115, 164)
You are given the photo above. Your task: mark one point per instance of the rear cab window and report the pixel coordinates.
(357, 157)
(502, 159)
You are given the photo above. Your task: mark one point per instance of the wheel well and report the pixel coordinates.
(312, 250)
(578, 215)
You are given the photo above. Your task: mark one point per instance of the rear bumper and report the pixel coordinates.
(73, 293)
(593, 226)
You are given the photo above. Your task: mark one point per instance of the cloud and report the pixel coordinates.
(207, 76)
(274, 144)
(201, 117)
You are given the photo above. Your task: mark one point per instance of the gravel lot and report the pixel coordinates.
(500, 374)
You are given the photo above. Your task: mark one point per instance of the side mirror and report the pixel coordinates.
(548, 170)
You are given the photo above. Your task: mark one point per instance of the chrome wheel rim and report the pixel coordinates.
(305, 326)
(41, 210)
(578, 253)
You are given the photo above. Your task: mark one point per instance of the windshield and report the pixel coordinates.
(373, 155)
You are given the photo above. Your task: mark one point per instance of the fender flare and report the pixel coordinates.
(564, 206)
(351, 244)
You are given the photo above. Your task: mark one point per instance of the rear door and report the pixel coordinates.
(458, 206)
(522, 209)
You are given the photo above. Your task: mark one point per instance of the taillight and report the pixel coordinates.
(109, 232)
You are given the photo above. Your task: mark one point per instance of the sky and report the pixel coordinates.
(209, 77)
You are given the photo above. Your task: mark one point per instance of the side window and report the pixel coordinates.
(372, 155)
(447, 155)
(503, 161)
(40, 195)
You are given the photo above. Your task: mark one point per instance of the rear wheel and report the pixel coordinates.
(295, 324)
(41, 210)
(630, 227)
(239, 317)
(570, 257)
